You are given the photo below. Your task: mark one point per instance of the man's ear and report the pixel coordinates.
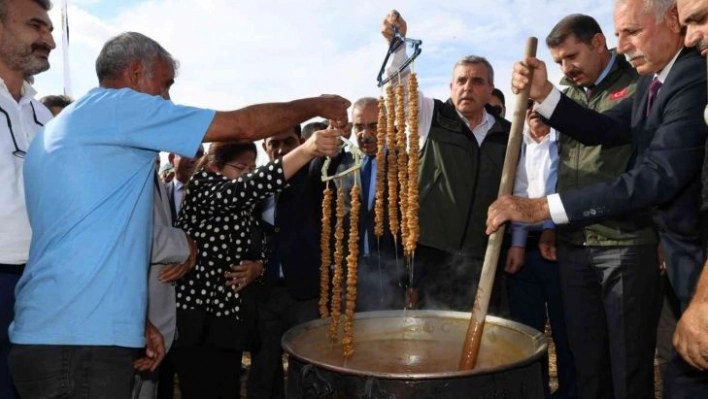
(672, 20)
(171, 159)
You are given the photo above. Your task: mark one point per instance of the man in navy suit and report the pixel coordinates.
(378, 270)
(691, 336)
(664, 123)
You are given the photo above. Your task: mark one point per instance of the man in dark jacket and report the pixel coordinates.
(462, 154)
(664, 123)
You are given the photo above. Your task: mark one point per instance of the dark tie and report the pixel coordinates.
(366, 181)
(653, 91)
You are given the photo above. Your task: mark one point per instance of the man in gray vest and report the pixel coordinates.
(461, 158)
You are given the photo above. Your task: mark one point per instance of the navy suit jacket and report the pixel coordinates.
(294, 240)
(668, 150)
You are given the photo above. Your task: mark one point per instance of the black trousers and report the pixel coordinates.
(380, 283)
(612, 299)
(448, 281)
(684, 261)
(276, 314)
(78, 372)
(207, 354)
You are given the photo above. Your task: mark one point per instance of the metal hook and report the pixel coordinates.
(396, 42)
(358, 161)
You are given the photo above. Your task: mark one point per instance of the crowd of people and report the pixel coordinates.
(126, 272)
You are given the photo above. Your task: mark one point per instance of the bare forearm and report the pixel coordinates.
(259, 121)
(701, 294)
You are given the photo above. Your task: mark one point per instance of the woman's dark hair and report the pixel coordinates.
(222, 153)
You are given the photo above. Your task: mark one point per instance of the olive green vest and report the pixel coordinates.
(583, 165)
(459, 179)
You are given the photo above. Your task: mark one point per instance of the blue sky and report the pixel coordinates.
(237, 52)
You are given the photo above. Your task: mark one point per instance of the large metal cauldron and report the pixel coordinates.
(415, 354)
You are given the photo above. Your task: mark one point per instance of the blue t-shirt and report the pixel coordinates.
(89, 179)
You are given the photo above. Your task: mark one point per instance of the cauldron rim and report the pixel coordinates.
(538, 338)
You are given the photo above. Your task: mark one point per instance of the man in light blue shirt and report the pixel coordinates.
(83, 293)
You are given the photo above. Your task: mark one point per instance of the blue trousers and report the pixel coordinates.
(531, 291)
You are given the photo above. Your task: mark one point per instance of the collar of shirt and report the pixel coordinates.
(481, 130)
(607, 69)
(178, 185)
(28, 92)
(545, 141)
(667, 69)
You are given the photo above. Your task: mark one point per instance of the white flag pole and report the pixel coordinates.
(65, 47)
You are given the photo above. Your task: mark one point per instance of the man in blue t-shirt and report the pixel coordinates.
(80, 314)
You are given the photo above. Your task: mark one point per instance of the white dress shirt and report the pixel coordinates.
(536, 177)
(177, 194)
(26, 118)
(546, 108)
(426, 105)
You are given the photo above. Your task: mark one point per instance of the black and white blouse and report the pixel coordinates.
(217, 214)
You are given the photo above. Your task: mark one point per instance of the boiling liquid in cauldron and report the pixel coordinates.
(409, 353)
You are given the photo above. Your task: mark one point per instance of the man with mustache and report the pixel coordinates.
(461, 158)
(378, 271)
(25, 43)
(602, 267)
(664, 123)
(532, 281)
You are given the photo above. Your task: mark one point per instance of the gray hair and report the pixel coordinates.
(5, 10)
(657, 7)
(127, 47)
(477, 60)
(364, 102)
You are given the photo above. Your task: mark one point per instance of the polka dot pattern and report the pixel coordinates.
(217, 213)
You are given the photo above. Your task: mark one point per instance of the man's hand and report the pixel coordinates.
(535, 68)
(393, 20)
(517, 209)
(323, 143)
(333, 107)
(691, 336)
(243, 274)
(547, 244)
(515, 259)
(175, 272)
(154, 349)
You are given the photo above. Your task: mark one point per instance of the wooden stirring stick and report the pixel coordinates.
(470, 350)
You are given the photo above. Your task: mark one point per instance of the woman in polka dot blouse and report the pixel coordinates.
(214, 321)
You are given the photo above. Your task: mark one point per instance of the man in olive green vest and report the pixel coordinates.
(609, 272)
(461, 158)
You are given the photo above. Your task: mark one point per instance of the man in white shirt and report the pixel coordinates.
(462, 149)
(664, 123)
(25, 44)
(532, 281)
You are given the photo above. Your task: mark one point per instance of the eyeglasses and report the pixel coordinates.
(242, 167)
(18, 152)
(359, 127)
